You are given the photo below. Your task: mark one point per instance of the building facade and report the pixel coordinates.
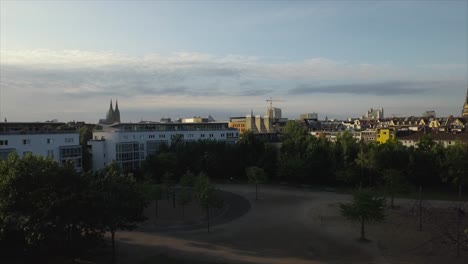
(130, 143)
(41, 139)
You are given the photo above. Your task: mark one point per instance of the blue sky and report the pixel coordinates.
(66, 60)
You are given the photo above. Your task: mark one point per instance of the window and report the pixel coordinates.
(26, 153)
(68, 140)
(3, 142)
(50, 153)
(202, 135)
(26, 141)
(152, 136)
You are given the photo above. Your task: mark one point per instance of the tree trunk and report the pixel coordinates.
(208, 217)
(156, 207)
(363, 235)
(183, 214)
(256, 191)
(391, 200)
(113, 245)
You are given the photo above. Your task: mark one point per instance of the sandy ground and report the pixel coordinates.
(290, 225)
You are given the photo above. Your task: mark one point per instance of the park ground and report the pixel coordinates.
(289, 225)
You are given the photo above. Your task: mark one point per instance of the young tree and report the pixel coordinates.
(256, 176)
(118, 202)
(364, 208)
(184, 198)
(168, 183)
(395, 183)
(207, 195)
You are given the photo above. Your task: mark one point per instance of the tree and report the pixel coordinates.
(118, 202)
(168, 182)
(364, 208)
(394, 183)
(184, 198)
(206, 195)
(40, 204)
(86, 134)
(256, 176)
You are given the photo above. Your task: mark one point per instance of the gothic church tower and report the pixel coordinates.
(465, 106)
(110, 114)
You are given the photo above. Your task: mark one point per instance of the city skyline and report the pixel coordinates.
(67, 60)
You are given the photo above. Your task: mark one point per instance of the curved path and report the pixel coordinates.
(285, 226)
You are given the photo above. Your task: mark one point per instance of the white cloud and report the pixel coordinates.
(44, 81)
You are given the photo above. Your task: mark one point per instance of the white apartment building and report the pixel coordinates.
(130, 143)
(41, 139)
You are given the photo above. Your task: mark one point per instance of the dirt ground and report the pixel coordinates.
(292, 225)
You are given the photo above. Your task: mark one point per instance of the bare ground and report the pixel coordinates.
(290, 225)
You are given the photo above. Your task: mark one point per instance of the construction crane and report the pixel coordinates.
(271, 101)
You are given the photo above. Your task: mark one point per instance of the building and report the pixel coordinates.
(429, 114)
(382, 135)
(197, 119)
(274, 113)
(411, 139)
(130, 143)
(465, 106)
(112, 116)
(256, 124)
(374, 114)
(308, 116)
(45, 139)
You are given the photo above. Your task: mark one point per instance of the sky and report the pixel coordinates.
(66, 60)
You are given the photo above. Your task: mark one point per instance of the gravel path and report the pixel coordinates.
(285, 226)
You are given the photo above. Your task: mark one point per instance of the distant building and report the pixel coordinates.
(46, 139)
(198, 119)
(308, 116)
(112, 116)
(274, 113)
(465, 106)
(256, 124)
(429, 114)
(130, 143)
(374, 114)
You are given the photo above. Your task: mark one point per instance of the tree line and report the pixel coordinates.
(51, 210)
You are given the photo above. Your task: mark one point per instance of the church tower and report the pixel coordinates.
(110, 114)
(116, 112)
(465, 106)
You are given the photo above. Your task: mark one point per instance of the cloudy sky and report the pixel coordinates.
(66, 60)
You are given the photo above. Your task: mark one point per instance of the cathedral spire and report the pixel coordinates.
(110, 114)
(116, 117)
(465, 106)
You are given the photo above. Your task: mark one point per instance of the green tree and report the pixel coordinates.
(395, 183)
(39, 203)
(168, 183)
(184, 198)
(86, 134)
(256, 176)
(118, 202)
(207, 195)
(365, 208)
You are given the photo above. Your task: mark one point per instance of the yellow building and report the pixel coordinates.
(382, 135)
(238, 123)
